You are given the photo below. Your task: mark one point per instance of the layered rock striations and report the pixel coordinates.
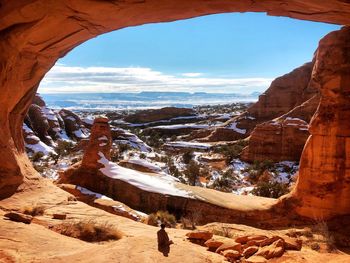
(284, 94)
(283, 138)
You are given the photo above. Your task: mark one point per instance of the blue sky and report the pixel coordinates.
(218, 53)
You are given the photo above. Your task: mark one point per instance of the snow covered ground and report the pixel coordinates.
(156, 184)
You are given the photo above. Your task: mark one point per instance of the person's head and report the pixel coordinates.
(162, 226)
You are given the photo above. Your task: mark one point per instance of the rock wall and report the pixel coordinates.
(284, 94)
(323, 187)
(283, 138)
(34, 34)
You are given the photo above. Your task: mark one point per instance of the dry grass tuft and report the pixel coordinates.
(34, 210)
(165, 217)
(89, 230)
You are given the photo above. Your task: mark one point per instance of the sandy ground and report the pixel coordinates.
(36, 243)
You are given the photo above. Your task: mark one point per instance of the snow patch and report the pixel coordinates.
(140, 180)
(233, 126)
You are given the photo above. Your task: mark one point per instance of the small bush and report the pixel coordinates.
(187, 157)
(226, 182)
(192, 172)
(34, 210)
(142, 155)
(115, 155)
(89, 231)
(223, 231)
(257, 169)
(161, 217)
(36, 156)
(123, 147)
(64, 148)
(232, 151)
(270, 189)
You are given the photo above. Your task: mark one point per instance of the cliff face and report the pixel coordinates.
(285, 93)
(323, 186)
(283, 138)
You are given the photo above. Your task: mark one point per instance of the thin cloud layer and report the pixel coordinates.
(66, 79)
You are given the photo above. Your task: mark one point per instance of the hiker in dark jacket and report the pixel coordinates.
(163, 241)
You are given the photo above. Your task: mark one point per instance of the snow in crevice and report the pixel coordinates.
(233, 126)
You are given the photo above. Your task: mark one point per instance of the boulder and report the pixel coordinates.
(213, 244)
(268, 241)
(19, 217)
(292, 243)
(276, 249)
(229, 245)
(231, 254)
(201, 235)
(245, 239)
(249, 251)
(256, 259)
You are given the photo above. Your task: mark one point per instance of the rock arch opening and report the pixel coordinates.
(37, 33)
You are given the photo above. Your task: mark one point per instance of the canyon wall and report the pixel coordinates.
(35, 33)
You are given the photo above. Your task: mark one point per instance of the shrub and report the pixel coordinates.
(232, 151)
(256, 169)
(115, 155)
(142, 155)
(36, 156)
(34, 210)
(192, 172)
(226, 182)
(187, 157)
(270, 189)
(224, 231)
(161, 217)
(123, 147)
(89, 231)
(64, 148)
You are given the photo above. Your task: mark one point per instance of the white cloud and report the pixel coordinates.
(62, 78)
(191, 75)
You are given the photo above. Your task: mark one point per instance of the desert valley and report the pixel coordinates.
(247, 181)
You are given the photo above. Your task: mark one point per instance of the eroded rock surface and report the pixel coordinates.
(35, 34)
(323, 187)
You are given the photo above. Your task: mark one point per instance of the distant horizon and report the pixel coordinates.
(140, 92)
(222, 53)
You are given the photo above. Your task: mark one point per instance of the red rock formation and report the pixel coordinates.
(283, 138)
(277, 140)
(323, 187)
(158, 114)
(100, 142)
(73, 125)
(34, 34)
(284, 94)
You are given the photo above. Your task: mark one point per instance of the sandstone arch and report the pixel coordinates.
(35, 33)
